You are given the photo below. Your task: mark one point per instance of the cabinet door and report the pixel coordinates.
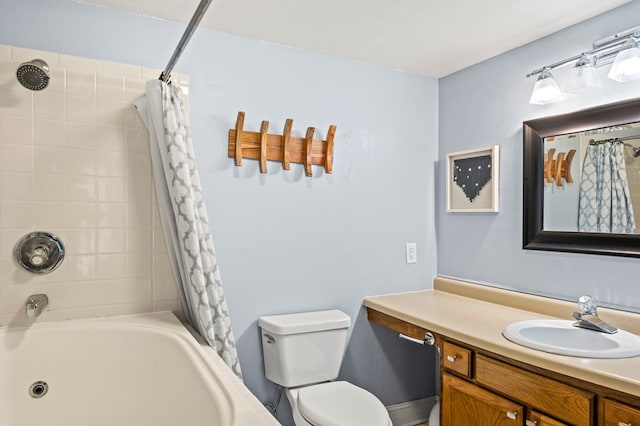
(464, 403)
(538, 419)
(618, 414)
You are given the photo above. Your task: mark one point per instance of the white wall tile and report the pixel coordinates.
(82, 135)
(82, 162)
(74, 160)
(138, 290)
(110, 86)
(24, 55)
(111, 189)
(14, 298)
(49, 133)
(49, 105)
(110, 112)
(50, 214)
(121, 69)
(109, 137)
(111, 163)
(139, 240)
(5, 52)
(16, 130)
(111, 240)
(16, 158)
(81, 188)
(49, 187)
(16, 214)
(94, 293)
(139, 265)
(57, 80)
(75, 63)
(82, 215)
(110, 266)
(81, 83)
(81, 109)
(81, 267)
(81, 241)
(112, 215)
(50, 160)
(16, 187)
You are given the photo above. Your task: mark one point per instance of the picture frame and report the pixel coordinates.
(476, 188)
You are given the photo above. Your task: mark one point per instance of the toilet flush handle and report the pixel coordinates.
(270, 339)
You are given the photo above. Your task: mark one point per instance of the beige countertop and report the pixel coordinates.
(477, 316)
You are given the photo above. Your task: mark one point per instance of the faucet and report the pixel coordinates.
(588, 316)
(36, 303)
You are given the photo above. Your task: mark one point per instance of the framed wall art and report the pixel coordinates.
(472, 180)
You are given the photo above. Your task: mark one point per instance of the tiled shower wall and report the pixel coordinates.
(74, 161)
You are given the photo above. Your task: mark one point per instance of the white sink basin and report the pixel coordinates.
(561, 337)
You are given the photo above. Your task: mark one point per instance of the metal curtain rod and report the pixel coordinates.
(184, 40)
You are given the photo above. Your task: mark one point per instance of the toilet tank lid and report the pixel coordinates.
(305, 322)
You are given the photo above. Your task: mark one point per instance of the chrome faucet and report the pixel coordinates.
(588, 316)
(36, 303)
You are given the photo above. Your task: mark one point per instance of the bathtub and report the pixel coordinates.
(142, 370)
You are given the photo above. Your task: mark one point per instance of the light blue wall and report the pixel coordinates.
(486, 104)
(286, 242)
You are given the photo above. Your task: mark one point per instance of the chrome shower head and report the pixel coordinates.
(34, 75)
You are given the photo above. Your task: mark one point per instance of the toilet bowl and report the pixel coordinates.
(336, 404)
(302, 353)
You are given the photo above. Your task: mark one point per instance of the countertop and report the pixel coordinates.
(444, 310)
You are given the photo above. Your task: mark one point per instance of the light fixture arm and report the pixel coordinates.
(603, 52)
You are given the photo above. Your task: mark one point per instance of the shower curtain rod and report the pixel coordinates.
(184, 40)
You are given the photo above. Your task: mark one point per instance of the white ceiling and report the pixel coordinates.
(430, 37)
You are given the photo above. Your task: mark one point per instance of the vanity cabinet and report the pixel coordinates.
(484, 388)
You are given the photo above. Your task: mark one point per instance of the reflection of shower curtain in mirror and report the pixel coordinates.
(605, 201)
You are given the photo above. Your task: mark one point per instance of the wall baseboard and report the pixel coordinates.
(411, 412)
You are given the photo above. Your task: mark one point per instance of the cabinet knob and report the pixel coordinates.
(512, 415)
(452, 358)
(531, 423)
(624, 424)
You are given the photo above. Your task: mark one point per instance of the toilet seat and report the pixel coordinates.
(341, 404)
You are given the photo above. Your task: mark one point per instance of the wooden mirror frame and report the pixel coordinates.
(534, 132)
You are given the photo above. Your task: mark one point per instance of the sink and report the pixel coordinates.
(561, 337)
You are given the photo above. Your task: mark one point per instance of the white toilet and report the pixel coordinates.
(303, 353)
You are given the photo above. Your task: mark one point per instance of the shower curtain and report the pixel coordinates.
(184, 218)
(605, 201)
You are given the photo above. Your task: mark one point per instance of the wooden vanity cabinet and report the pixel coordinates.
(483, 388)
(618, 414)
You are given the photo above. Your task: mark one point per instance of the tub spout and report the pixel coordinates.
(36, 303)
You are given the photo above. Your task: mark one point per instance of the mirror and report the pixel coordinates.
(563, 208)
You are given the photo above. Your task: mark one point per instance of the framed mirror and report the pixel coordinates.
(563, 206)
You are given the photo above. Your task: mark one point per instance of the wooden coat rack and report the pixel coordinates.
(555, 169)
(284, 148)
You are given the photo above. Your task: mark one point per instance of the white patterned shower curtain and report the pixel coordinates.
(605, 200)
(184, 218)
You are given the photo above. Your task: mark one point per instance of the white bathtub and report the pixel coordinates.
(142, 370)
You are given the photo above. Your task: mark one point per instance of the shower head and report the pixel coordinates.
(34, 75)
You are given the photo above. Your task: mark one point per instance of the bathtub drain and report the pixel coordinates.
(38, 389)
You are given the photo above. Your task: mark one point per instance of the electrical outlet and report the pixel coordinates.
(412, 253)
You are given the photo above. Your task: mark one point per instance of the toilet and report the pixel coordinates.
(303, 353)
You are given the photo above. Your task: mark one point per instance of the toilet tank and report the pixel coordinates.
(303, 348)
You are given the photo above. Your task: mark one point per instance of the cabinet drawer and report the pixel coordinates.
(564, 402)
(538, 419)
(456, 358)
(618, 414)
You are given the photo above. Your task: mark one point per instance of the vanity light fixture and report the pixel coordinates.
(622, 49)
(626, 67)
(546, 89)
(583, 75)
